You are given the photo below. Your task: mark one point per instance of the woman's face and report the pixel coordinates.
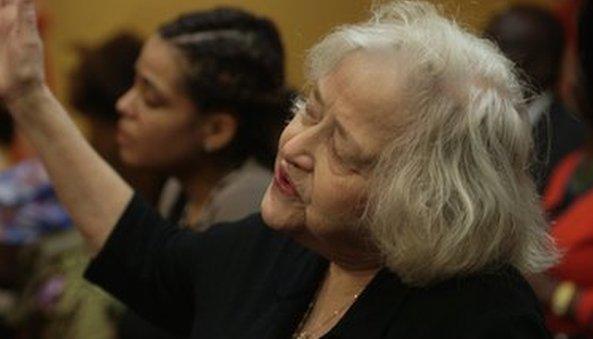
(326, 154)
(159, 126)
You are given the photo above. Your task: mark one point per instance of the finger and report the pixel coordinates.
(27, 14)
(8, 14)
(24, 6)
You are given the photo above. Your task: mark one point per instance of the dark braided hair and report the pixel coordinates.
(235, 63)
(103, 75)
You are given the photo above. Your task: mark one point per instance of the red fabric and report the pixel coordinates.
(573, 232)
(584, 311)
(559, 179)
(567, 11)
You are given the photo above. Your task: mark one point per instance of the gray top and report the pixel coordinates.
(236, 196)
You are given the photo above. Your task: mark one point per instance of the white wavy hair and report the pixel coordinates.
(451, 195)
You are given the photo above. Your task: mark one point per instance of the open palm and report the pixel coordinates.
(21, 55)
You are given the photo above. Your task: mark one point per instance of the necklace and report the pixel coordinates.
(300, 333)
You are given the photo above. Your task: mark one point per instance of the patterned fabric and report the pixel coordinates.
(57, 303)
(29, 207)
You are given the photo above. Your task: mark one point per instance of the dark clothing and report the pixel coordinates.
(556, 134)
(245, 280)
(132, 326)
(234, 197)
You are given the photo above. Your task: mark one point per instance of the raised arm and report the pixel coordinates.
(91, 191)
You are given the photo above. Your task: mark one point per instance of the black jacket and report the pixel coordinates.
(244, 280)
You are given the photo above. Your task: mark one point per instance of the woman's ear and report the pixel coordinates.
(219, 131)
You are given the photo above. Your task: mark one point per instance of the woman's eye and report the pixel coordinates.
(311, 112)
(151, 101)
(344, 163)
(335, 153)
(334, 149)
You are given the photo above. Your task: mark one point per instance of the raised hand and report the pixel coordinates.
(21, 50)
(92, 192)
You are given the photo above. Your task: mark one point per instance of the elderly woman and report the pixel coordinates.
(401, 205)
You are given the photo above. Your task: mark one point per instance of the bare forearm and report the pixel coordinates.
(92, 192)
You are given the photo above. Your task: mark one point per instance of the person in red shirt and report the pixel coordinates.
(567, 288)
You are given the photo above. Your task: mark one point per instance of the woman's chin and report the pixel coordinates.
(129, 158)
(280, 215)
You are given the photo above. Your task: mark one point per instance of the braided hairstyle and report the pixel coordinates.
(103, 75)
(235, 63)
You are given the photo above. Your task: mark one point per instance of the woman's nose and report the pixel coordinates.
(299, 151)
(124, 103)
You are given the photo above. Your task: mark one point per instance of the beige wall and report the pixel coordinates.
(90, 21)
(301, 22)
(476, 13)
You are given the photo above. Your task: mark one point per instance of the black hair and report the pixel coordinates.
(235, 63)
(6, 126)
(103, 75)
(536, 42)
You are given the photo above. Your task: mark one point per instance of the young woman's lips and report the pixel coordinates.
(122, 137)
(283, 183)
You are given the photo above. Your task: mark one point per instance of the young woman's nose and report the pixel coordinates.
(124, 104)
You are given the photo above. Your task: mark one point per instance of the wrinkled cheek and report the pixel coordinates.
(337, 210)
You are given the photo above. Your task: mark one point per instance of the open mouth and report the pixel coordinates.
(282, 181)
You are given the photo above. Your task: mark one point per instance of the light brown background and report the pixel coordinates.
(301, 22)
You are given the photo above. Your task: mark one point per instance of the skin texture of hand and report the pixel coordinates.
(92, 192)
(21, 50)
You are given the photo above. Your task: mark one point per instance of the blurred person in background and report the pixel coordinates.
(533, 38)
(103, 75)
(57, 302)
(6, 135)
(29, 213)
(567, 12)
(566, 290)
(205, 109)
(206, 85)
(13, 146)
